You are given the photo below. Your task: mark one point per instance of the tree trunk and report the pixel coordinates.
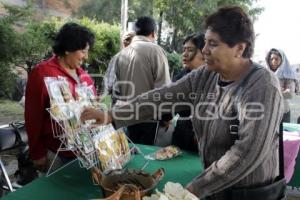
(174, 39)
(124, 18)
(159, 27)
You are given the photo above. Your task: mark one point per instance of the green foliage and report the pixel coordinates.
(11, 111)
(105, 10)
(10, 49)
(110, 10)
(182, 17)
(107, 39)
(7, 81)
(137, 8)
(17, 13)
(34, 43)
(26, 47)
(7, 38)
(186, 17)
(175, 63)
(30, 45)
(107, 44)
(20, 47)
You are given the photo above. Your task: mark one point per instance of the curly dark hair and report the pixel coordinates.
(234, 26)
(72, 37)
(197, 39)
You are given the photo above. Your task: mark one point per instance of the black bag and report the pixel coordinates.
(184, 136)
(26, 171)
(273, 191)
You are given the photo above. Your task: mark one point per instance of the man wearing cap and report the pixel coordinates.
(110, 75)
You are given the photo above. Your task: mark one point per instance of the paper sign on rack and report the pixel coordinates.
(101, 146)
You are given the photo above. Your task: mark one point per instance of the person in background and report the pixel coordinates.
(192, 58)
(110, 75)
(71, 47)
(279, 64)
(237, 109)
(297, 90)
(298, 73)
(140, 67)
(127, 38)
(21, 81)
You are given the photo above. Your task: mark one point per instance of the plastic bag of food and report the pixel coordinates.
(112, 148)
(85, 95)
(84, 141)
(58, 89)
(60, 95)
(63, 109)
(165, 153)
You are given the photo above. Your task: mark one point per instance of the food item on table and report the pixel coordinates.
(164, 153)
(167, 152)
(137, 183)
(172, 191)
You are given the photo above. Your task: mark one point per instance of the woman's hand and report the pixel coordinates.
(101, 117)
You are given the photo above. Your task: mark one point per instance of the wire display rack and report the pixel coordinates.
(95, 146)
(102, 146)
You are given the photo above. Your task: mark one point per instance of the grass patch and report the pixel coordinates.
(10, 111)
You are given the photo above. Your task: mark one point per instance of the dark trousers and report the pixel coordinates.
(184, 136)
(286, 117)
(143, 133)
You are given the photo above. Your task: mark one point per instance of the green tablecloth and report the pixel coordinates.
(290, 127)
(74, 182)
(295, 181)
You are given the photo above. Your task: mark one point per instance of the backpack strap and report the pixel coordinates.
(280, 152)
(234, 126)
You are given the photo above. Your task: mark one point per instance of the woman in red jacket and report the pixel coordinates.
(71, 46)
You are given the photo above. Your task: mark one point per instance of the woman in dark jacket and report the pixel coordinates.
(192, 58)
